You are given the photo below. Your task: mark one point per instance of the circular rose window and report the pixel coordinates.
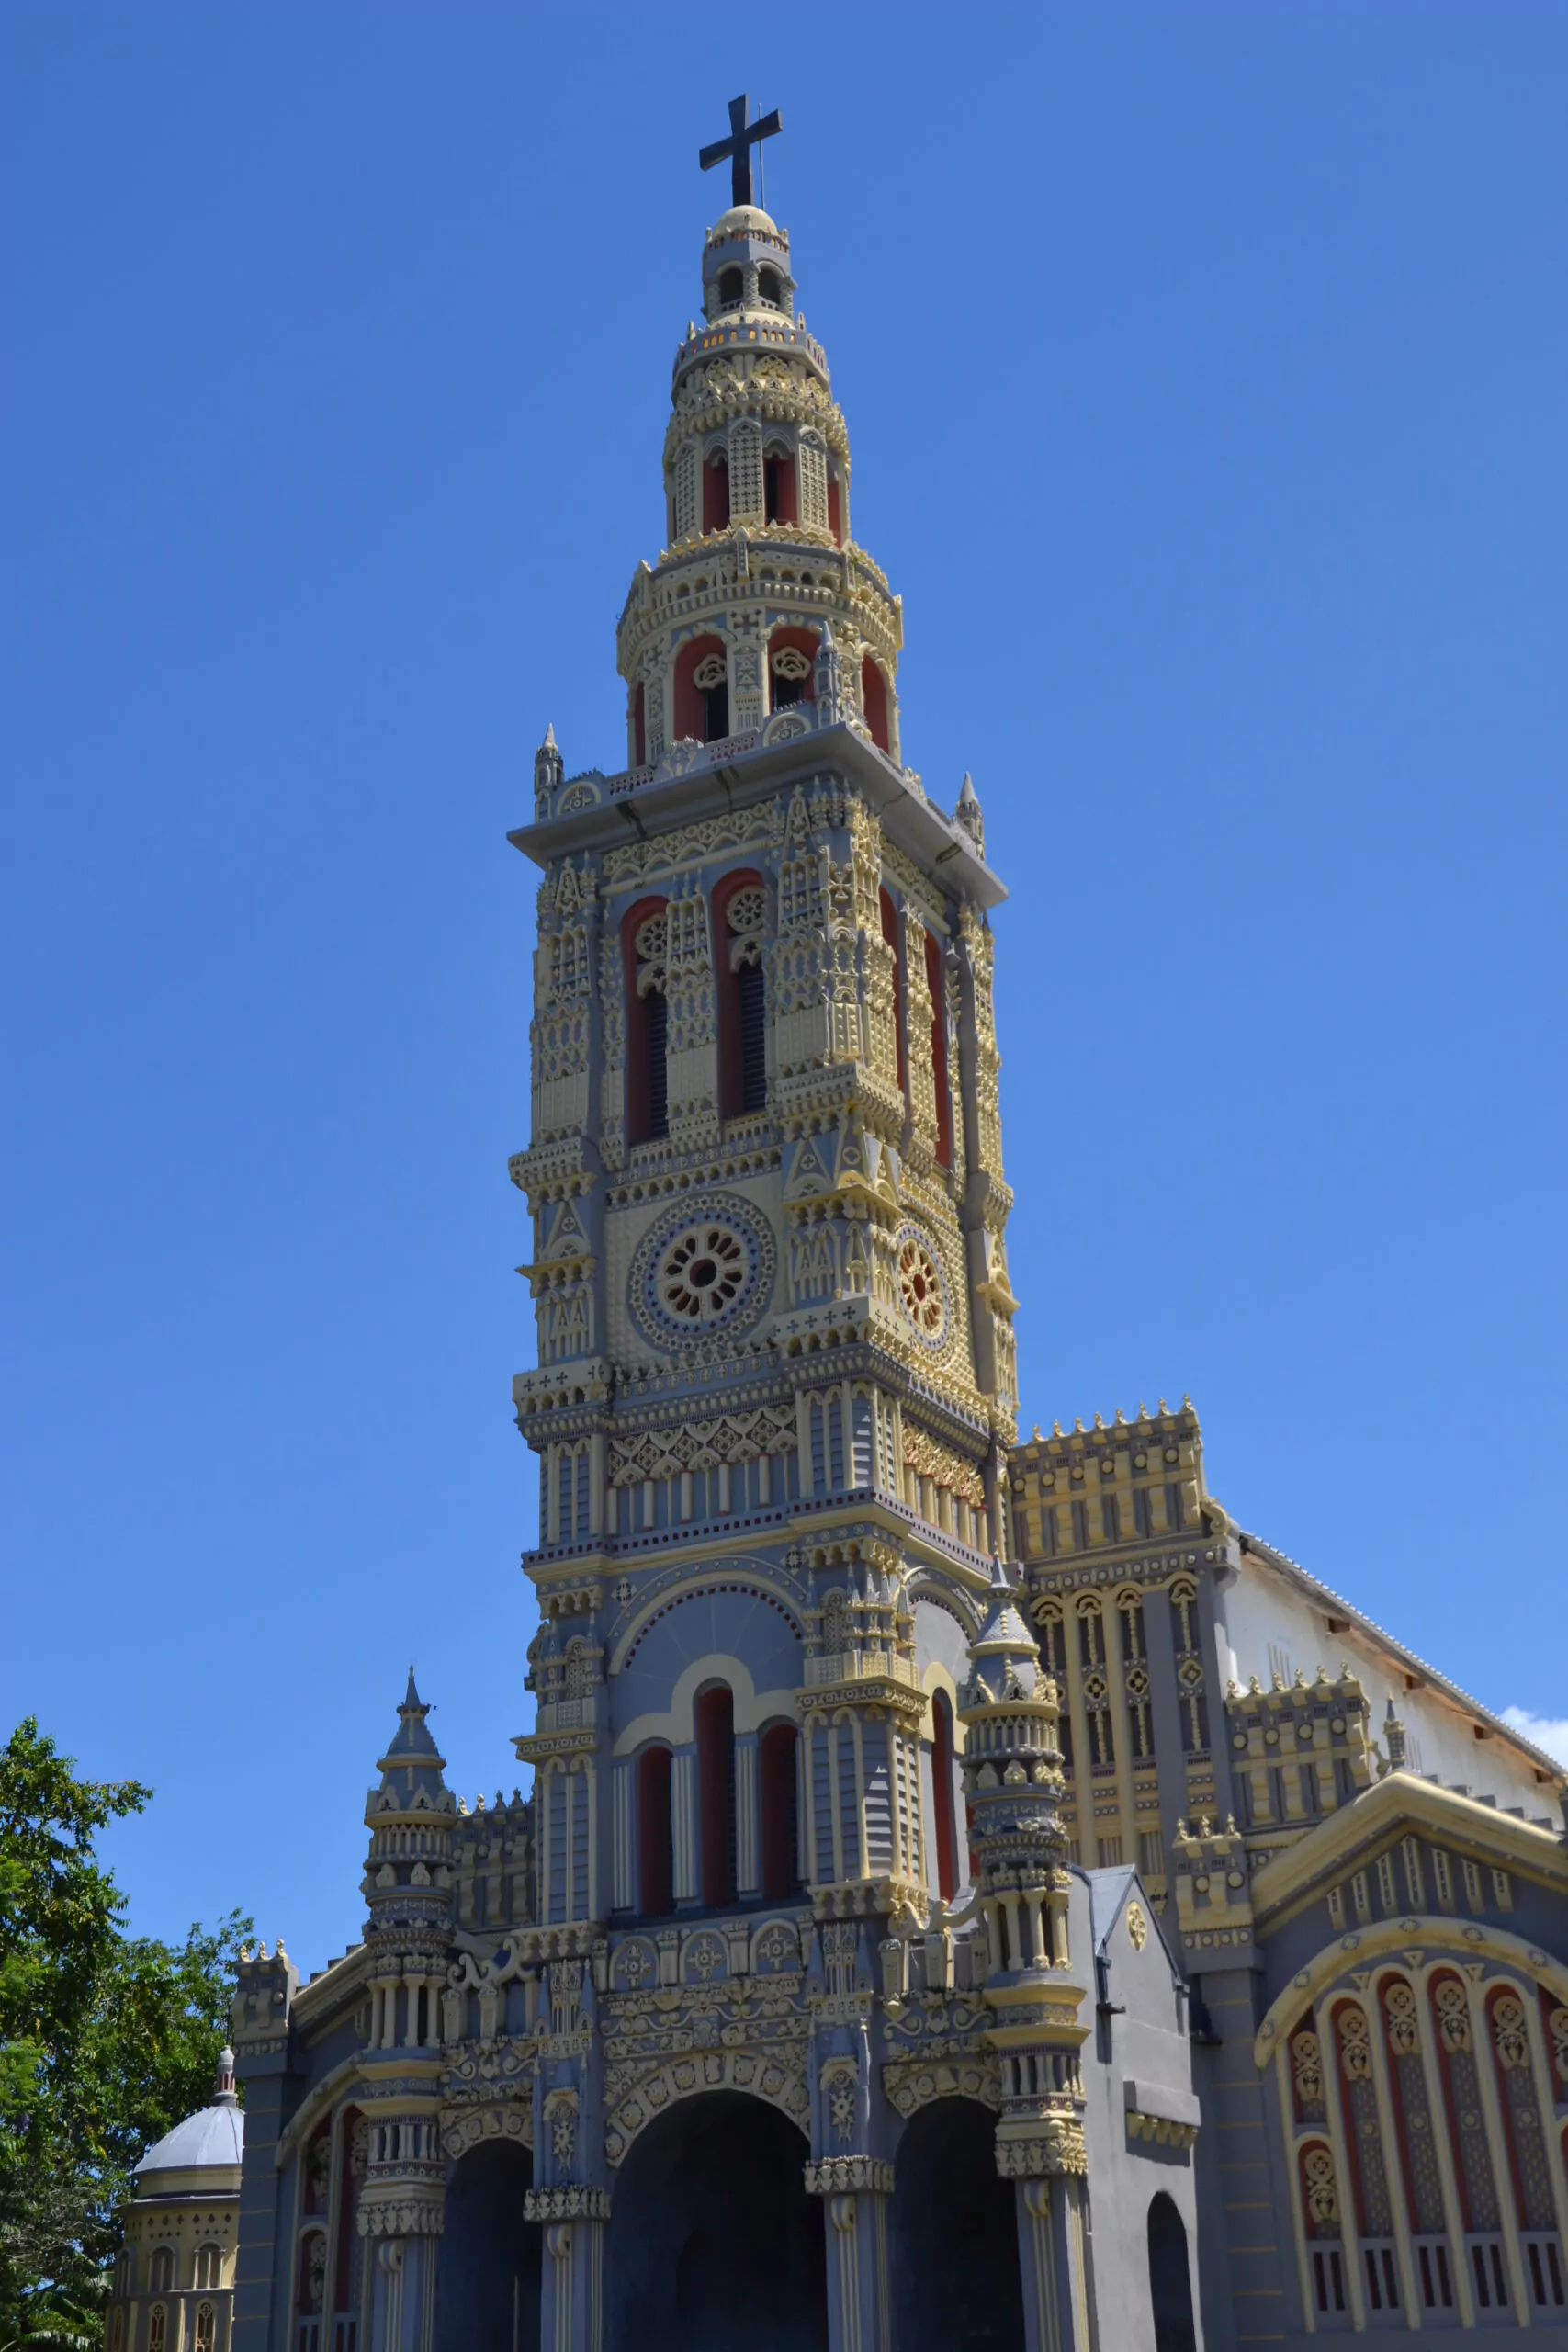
(702, 1268)
(920, 1286)
(702, 1272)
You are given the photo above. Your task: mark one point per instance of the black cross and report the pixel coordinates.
(739, 146)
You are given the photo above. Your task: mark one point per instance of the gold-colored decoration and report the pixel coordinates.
(1355, 2044)
(1508, 2031)
(1321, 2192)
(1137, 1925)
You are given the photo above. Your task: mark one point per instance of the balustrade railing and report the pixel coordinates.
(1434, 2273)
(1379, 2268)
(1544, 2269)
(1489, 2273)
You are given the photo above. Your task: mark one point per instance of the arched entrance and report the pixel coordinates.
(954, 2251)
(713, 2240)
(1170, 2279)
(487, 2274)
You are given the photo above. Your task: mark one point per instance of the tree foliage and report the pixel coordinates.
(106, 2039)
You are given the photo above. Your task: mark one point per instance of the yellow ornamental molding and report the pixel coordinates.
(765, 2074)
(1056, 2146)
(913, 2083)
(1418, 1942)
(511, 2119)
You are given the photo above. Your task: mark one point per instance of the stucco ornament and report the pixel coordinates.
(705, 1266)
(922, 1290)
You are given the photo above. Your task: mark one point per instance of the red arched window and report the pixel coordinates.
(715, 494)
(835, 503)
(715, 1781)
(792, 675)
(701, 691)
(738, 910)
(648, 1086)
(873, 702)
(349, 2185)
(937, 985)
(776, 1779)
(655, 1840)
(639, 727)
(890, 933)
(779, 486)
(941, 1797)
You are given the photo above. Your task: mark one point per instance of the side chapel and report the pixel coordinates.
(971, 1893)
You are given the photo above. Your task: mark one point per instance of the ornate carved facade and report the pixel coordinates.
(896, 1946)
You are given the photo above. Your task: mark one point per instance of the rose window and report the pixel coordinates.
(744, 912)
(702, 1273)
(920, 1288)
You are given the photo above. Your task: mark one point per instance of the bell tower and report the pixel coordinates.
(775, 1376)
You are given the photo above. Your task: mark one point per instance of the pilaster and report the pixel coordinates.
(855, 2191)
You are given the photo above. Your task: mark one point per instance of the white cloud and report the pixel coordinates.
(1544, 1730)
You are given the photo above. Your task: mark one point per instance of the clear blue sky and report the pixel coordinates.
(1205, 372)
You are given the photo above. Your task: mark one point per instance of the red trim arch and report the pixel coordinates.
(696, 710)
(640, 1039)
(873, 702)
(804, 641)
(732, 1091)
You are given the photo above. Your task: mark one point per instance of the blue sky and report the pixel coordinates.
(1206, 371)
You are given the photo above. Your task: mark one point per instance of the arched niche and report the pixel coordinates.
(487, 2278)
(713, 2240)
(954, 2257)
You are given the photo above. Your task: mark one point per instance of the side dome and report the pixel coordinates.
(213, 2138)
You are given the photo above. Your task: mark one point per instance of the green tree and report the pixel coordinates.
(106, 2039)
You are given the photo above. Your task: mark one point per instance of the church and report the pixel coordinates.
(967, 1892)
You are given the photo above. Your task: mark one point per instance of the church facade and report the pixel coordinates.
(969, 1892)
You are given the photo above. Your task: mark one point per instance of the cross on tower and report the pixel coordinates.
(739, 146)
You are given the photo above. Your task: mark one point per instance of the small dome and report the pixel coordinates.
(214, 2135)
(744, 220)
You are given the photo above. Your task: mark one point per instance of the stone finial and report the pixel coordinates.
(1393, 1743)
(967, 814)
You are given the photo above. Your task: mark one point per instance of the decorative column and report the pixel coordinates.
(571, 2196)
(849, 2168)
(1012, 1771)
(855, 2191)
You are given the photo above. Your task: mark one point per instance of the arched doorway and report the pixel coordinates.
(487, 2275)
(955, 2252)
(1170, 2279)
(713, 2239)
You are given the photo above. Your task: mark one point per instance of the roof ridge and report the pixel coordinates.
(1272, 1554)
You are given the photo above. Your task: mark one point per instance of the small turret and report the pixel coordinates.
(1013, 1773)
(1393, 1744)
(407, 1875)
(967, 814)
(549, 769)
(1012, 1768)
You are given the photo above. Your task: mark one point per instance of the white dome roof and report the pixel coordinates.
(744, 220)
(214, 2135)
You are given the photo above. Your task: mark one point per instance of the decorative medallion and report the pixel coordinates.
(922, 1292)
(1137, 1925)
(703, 1267)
